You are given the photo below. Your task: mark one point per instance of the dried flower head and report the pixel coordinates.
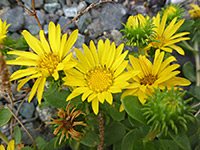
(66, 123)
(5, 86)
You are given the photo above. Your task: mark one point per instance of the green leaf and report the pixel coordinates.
(113, 133)
(41, 143)
(27, 148)
(55, 97)
(168, 144)
(181, 139)
(57, 145)
(50, 144)
(140, 145)
(17, 135)
(113, 110)
(133, 107)
(5, 116)
(117, 146)
(134, 122)
(186, 26)
(90, 138)
(129, 138)
(194, 91)
(188, 71)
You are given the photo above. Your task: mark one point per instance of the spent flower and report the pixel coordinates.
(47, 59)
(99, 74)
(66, 123)
(195, 12)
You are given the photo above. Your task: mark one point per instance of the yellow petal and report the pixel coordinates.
(94, 52)
(95, 106)
(44, 43)
(40, 90)
(34, 89)
(11, 145)
(24, 62)
(2, 147)
(27, 55)
(109, 97)
(76, 92)
(86, 94)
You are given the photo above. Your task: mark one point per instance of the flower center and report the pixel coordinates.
(150, 79)
(49, 61)
(162, 42)
(67, 124)
(99, 79)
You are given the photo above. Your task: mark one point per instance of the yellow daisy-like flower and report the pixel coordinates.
(11, 146)
(99, 74)
(171, 10)
(48, 59)
(166, 36)
(136, 21)
(3, 30)
(195, 12)
(156, 75)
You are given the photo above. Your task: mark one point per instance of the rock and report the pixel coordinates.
(59, 12)
(46, 112)
(52, 18)
(51, 7)
(116, 36)
(70, 11)
(81, 6)
(112, 15)
(38, 3)
(80, 40)
(95, 13)
(15, 18)
(5, 3)
(91, 1)
(50, 1)
(27, 110)
(95, 29)
(15, 36)
(46, 29)
(63, 21)
(83, 22)
(31, 23)
(138, 9)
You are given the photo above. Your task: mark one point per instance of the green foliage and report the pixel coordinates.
(133, 107)
(17, 135)
(188, 71)
(5, 116)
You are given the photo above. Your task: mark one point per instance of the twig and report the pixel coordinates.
(32, 13)
(197, 113)
(85, 11)
(196, 47)
(22, 125)
(101, 132)
(195, 105)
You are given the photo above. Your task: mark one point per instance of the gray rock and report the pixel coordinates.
(38, 3)
(51, 7)
(116, 36)
(46, 112)
(5, 2)
(70, 11)
(83, 22)
(91, 1)
(81, 6)
(50, 1)
(95, 13)
(52, 18)
(112, 15)
(46, 29)
(95, 29)
(15, 18)
(27, 110)
(31, 23)
(63, 21)
(80, 40)
(139, 9)
(15, 36)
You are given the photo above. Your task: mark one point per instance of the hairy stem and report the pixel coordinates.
(196, 47)
(101, 132)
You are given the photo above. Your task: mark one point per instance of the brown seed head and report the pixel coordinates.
(5, 85)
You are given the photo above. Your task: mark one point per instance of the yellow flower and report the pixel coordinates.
(166, 38)
(3, 30)
(48, 59)
(156, 75)
(11, 146)
(99, 74)
(171, 10)
(136, 21)
(195, 12)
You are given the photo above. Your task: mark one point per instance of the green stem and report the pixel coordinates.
(128, 129)
(77, 146)
(196, 55)
(151, 135)
(141, 51)
(188, 46)
(4, 138)
(87, 110)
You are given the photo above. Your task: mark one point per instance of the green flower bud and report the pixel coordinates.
(138, 31)
(166, 110)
